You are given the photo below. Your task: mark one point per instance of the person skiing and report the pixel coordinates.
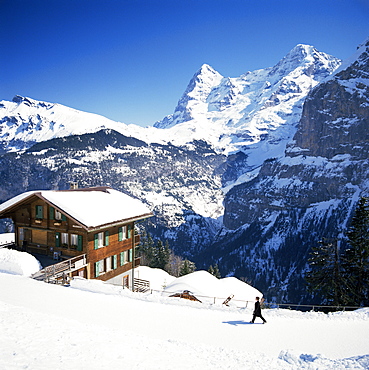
(257, 312)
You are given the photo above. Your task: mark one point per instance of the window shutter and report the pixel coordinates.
(96, 241)
(106, 237)
(129, 231)
(51, 213)
(121, 258)
(115, 265)
(130, 255)
(57, 240)
(80, 244)
(39, 212)
(97, 268)
(120, 234)
(64, 217)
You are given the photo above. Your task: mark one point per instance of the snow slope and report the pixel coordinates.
(101, 326)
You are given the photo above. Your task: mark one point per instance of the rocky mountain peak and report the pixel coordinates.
(307, 58)
(194, 98)
(18, 99)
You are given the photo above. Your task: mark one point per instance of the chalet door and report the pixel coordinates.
(21, 235)
(27, 235)
(126, 281)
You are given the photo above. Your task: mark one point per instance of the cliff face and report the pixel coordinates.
(336, 114)
(274, 219)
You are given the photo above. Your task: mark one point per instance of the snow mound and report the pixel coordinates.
(7, 238)
(95, 286)
(207, 287)
(18, 263)
(158, 278)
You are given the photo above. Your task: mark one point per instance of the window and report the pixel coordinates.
(129, 231)
(74, 239)
(58, 215)
(122, 233)
(64, 239)
(123, 258)
(108, 263)
(98, 240)
(99, 268)
(39, 212)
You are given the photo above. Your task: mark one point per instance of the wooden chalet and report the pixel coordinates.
(94, 223)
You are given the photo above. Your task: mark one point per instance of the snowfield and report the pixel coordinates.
(93, 325)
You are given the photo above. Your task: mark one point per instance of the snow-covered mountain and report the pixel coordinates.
(307, 194)
(228, 113)
(25, 121)
(248, 172)
(257, 112)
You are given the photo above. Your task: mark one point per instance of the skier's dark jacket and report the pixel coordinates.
(257, 310)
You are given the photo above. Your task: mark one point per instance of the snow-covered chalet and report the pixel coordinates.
(97, 223)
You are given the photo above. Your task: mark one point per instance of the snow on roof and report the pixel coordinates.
(91, 207)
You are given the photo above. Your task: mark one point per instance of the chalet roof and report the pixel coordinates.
(91, 207)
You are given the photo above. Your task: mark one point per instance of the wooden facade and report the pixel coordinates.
(42, 227)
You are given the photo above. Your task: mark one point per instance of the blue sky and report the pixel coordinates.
(132, 60)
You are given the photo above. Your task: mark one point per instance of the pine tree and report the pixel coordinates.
(160, 255)
(187, 267)
(145, 249)
(356, 257)
(325, 276)
(211, 269)
(153, 255)
(214, 271)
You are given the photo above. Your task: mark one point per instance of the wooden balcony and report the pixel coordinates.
(137, 261)
(137, 239)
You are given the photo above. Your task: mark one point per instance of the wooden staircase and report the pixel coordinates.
(57, 273)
